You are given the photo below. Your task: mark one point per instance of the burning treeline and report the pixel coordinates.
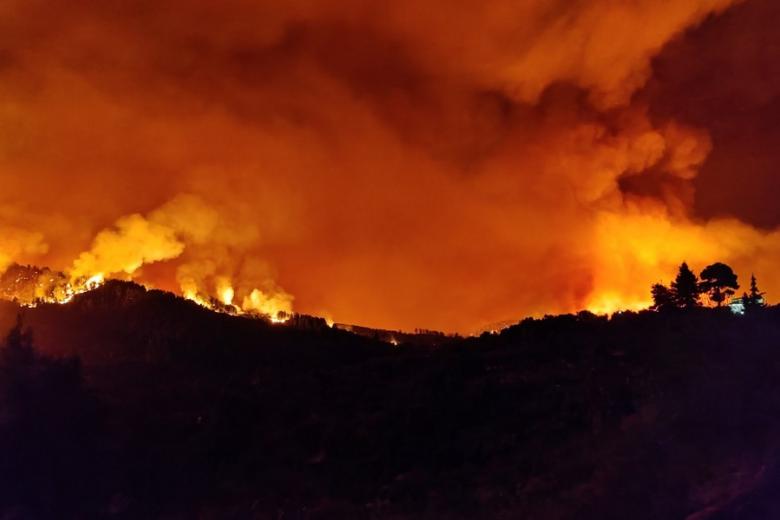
(31, 286)
(397, 165)
(184, 229)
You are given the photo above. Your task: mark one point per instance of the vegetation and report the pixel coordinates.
(664, 298)
(685, 288)
(48, 433)
(717, 282)
(754, 300)
(174, 411)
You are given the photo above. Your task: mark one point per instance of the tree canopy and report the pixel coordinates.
(686, 288)
(718, 282)
(663, 298)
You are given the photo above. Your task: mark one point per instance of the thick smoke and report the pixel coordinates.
(397, 164)
(210, 251)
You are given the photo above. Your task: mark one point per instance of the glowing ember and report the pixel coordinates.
(280, 317)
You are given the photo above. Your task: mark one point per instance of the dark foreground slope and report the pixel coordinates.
(176, 412)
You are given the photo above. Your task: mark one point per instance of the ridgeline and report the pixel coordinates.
(128, 403)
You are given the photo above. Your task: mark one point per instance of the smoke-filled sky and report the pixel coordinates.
(402, 164)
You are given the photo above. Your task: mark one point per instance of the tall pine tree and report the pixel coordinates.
(719, 282)
(754, 299)
(686, 288)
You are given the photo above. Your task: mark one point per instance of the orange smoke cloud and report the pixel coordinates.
(402, 164)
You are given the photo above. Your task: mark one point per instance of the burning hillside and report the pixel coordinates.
(30, 286)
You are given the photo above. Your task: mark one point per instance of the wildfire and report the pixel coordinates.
(31, 286)
(225, 291)
(610, 303)
(227, 296)
(93, 282)
(274, 308)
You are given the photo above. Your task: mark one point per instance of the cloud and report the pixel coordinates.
(402, 164)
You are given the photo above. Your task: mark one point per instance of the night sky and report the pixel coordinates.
(395, 164)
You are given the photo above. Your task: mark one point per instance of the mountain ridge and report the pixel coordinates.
(196, 413)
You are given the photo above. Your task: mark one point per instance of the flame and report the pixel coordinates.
(275, 308)
(31, 286)
(94, 281)
(610, 303)
(195, 297)
(279, 318)
(225, 291)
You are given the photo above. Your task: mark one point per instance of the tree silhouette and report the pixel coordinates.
(686, 288)
(754, 299)
(719, 282)
(663, 298)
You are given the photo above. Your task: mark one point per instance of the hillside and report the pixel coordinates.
(138, 404)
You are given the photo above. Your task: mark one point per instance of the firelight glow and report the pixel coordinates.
(400, 165)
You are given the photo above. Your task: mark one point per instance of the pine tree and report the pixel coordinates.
(755, 299)
(719, 282)
(663, 298)
(686, 288)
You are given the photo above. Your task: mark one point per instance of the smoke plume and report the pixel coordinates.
(398, 164)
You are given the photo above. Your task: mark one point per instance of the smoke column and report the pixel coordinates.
(404, 164)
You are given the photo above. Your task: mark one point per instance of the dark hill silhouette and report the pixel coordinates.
(178, 412)
(122, 321)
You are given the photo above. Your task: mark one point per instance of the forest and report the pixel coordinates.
(127, 403)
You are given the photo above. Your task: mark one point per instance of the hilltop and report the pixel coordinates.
(130, 403)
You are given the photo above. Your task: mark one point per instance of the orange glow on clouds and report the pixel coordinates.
(401, 165)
